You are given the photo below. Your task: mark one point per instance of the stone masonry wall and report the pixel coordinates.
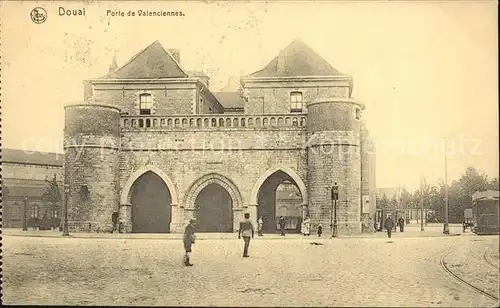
(184, 162)
(276, 95)
(96, 168)
(167, 98)
(91, 144)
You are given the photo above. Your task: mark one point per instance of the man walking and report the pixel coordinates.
(189, 239)
(246, 229)
(389, 224)
(282, 225)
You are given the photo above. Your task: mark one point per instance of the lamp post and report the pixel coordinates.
(421, 206)
(65, 225)
(335, 197)
(446, 229)
(25, 206)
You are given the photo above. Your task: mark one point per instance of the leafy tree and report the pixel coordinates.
(52, 194)
(493, 184)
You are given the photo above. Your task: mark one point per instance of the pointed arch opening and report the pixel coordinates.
(214, 198)
(151, 195)
(280, 192)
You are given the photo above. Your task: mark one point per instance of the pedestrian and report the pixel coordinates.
(189, 239)
(282, 225)
(389, 224)
(260, 225)
(401, 222)
(246, 230)
(306, 226)
(320, 230)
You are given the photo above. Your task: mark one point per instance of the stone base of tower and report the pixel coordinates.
(343, 228)
(367, 223)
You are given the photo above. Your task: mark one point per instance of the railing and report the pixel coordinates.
(208, 121)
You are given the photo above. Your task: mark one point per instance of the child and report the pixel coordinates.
(320, 230)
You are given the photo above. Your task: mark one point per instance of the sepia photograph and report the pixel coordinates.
(250, 153)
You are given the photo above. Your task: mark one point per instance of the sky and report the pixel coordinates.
(425, 70)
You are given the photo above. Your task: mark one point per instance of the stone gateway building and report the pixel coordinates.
(153, 146)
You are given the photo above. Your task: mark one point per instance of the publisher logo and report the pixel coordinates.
(38, 15)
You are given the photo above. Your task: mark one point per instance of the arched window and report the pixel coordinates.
(145, 103)
(35, 211)
(296, 104)
(55, 213)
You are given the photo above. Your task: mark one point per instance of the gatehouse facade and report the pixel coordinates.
(153, 144)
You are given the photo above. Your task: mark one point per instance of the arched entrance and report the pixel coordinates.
(214, 209)
(278, 195)
(151, 204)
(214, 198)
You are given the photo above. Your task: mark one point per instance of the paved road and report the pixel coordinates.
(344, 272)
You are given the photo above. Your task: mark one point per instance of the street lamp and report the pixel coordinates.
(65, 225)
(446, 229)
(335, 197)
(25, 205)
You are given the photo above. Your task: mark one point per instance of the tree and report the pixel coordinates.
(493, 184)
(52, 194)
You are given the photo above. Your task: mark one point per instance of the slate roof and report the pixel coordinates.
(230, 99)
(152, 62)
(196, 74)
(297, 59)
(28, 157)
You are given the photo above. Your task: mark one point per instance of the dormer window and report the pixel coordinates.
(145, 103)
(296, 104)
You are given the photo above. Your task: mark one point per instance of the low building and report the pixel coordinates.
(28, 179)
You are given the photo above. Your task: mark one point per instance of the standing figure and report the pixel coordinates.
(306, 226)
(401, 222)
(246, 229)
(389, 224)
(189, 239)
(260, 225)
(320, 230)
(282, 225)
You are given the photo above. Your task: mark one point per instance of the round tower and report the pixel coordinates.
(333, 149)
(91, 146)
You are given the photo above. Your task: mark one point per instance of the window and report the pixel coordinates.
(296, 104)
(34, 211)
(145, 103)
(358, 113)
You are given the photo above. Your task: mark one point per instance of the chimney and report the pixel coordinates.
(114, 66)
(281, 66)
(176, 54)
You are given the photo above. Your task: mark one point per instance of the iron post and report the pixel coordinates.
(446, 229)
(25, 206)
(335, 196)
(65, 225)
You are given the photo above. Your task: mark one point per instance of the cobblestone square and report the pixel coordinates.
(280, 272)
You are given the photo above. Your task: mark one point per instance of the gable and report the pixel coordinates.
(297, 59)
(153, 62)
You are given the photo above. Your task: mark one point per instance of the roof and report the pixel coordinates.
(196, 74)
(230, 99)
(16, 156)
(488, 194)
(297, 59)
(389, 192)
(151, 63)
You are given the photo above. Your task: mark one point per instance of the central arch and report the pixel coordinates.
(214, 198)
